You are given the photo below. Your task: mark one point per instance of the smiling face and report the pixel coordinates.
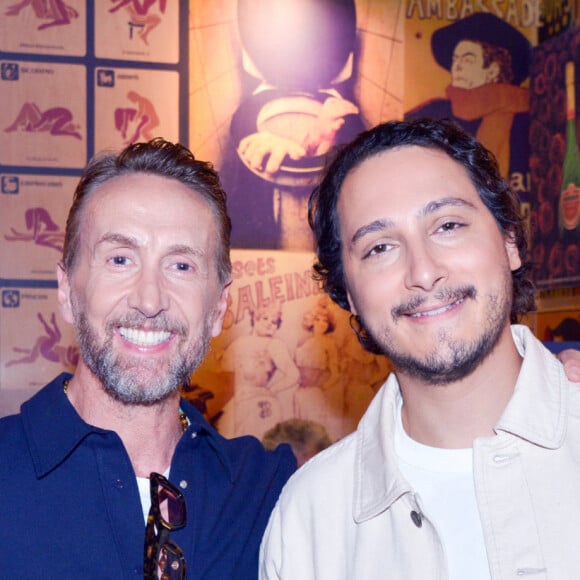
(426, 267)
(144, 294)
(468, 69)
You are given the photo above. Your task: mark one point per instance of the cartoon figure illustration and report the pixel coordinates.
(47, 347)
(298, 102)
(9, 184)
(9, 71)
(265, 376)
(363, 374)
(140, 16)
(143, 119)
(488, 60)
(320, 396)
(56, 120)
(58, 12)
(43, 231)
(105, 78)
(255, 407)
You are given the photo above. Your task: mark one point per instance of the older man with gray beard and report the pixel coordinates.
(108, 473)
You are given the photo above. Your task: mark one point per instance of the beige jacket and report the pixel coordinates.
(349, 514)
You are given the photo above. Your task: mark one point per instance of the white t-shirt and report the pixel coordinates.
(443, 479)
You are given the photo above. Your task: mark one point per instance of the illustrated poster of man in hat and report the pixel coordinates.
(488, 60)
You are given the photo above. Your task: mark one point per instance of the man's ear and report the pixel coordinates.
(492, 73)
(351, 303)
(221, 309)
(63, 294)
(513, 252)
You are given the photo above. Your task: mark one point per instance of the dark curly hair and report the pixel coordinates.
(156, 157)
(445, 136)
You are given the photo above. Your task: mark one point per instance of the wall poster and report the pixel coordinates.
(286, 351)
(555, 161)
(76, 77)
(473, 67)
(284, 83)
(275, 86)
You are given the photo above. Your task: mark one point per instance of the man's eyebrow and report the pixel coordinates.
(185, 250)
(119, 239)
(431, 207)
(374, 226)
(461, 54)
(132, 243)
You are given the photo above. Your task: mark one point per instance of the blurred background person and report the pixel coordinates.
(306, 438)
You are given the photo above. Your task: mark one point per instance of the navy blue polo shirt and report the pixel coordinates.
(71, 506)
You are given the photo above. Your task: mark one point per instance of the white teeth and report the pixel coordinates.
(144, 337)
(437, 310)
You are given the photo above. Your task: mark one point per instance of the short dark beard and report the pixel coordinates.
(465, 357)
(435, 371)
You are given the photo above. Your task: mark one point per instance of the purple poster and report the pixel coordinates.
(555, 162)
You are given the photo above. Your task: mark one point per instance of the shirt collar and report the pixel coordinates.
(52, 426)
(54, 429)
(199, 425)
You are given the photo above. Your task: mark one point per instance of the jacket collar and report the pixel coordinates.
(54, 429)
(536, 412)
(538, 408)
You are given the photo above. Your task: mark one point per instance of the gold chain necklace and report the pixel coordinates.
(182, 416)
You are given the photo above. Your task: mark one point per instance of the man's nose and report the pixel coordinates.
(149, 295)
(424, 268)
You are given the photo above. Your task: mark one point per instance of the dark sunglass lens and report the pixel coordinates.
(172, 507)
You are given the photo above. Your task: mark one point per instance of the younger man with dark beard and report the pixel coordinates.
(144, 279)
(467, 462)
